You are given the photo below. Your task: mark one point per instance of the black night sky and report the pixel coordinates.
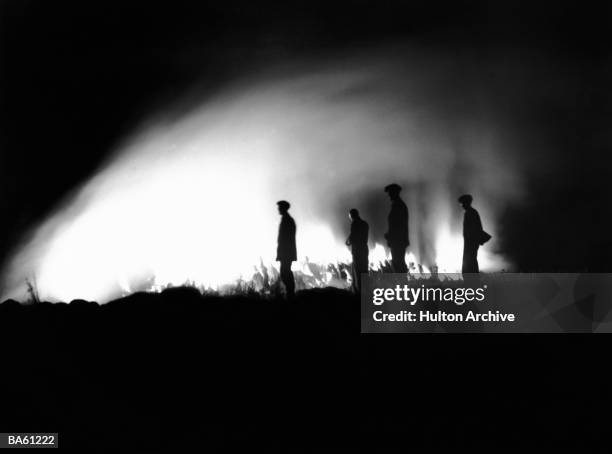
(77, 76)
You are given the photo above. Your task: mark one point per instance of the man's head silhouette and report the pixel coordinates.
(466, 201)
(283, 206)
(353, 213)
(393, 190)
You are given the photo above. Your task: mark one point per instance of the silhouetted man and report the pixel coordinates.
(358, 241)
(286, 251)
(397, 232)
(473, 235)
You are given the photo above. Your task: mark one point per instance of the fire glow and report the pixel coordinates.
(192, 197)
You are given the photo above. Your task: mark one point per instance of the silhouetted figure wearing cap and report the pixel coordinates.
(286, 251)
(473, 235)
(397, 233)
(358, 241)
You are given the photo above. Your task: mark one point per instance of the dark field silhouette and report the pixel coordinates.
(177, 370)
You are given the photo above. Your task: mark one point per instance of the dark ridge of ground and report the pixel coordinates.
(178, 370)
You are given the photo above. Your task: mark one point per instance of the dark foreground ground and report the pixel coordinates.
(178, 370)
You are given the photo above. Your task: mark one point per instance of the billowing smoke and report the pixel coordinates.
(192, 195)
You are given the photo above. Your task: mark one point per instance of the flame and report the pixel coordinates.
(192, 198)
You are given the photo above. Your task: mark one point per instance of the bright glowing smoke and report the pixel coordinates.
(193, 198)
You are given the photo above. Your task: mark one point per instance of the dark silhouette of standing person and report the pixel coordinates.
(286, 251)
(358, 241)
(397, 232)
(473, 235)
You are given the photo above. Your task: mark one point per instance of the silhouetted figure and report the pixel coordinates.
(286, 252)
(358, 241)
(473, 235)
(397, 233)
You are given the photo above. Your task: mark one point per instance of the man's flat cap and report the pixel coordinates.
(283, 204)
(393, 187)
(465, 198)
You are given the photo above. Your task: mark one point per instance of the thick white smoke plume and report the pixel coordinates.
(192, 196)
